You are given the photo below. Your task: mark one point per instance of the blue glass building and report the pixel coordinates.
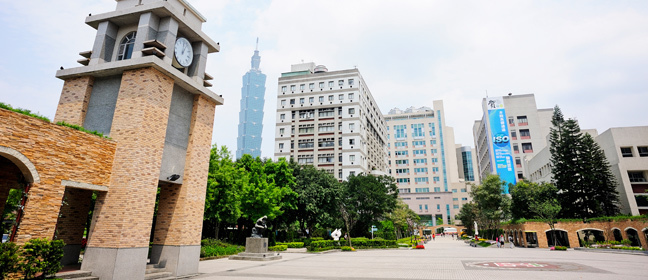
(251, 114)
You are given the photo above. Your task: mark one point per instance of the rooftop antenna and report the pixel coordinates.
(257, 44)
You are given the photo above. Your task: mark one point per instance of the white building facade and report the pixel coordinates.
(423, 159)
(527, 129)
(329, 120)
(626, 149)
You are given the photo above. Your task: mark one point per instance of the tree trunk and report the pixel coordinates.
(216, 229)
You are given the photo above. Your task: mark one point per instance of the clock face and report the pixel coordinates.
(183, 52)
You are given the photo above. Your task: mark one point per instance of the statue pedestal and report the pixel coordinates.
(256, 249)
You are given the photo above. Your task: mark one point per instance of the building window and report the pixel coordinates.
(351, 111)
(302, 87)
(426, 207)
(340, 82)
(281, 145)
(307, 114)
(282, 116)
(417, 130)
(464, 190)
(283, 102)
(418, 143)
(515, 148)
(422, 180)
(527, 148)
(326, 143)
(292, 88)
(305, 159)
(341, 97)
(292, 101)
(305, 144)
(350, 95)
(352, 141)
(433, 142)
(400, 131)
(464, 199)
(330, 98)
(284, 88)
(351, 173)
(636, 176)
(311, 99)
(329, 112)
(643, 151)
(518, 162)
(435, 169)
(513, 134)
(419, 160)
(325, 158)
(301, 101)
(350, 82)
(419, 152)
(511, 121)
(351, 126)
(434, 151)
(626, 151)
(126, 46)
(455, 206)
(520, 175)
(400, 153)
(402, 180)
(522, 120)
(422, 190)
(330, 84)
(326, 127)
(402, 171)
(525, 134)
(281, 131)
(321, 99)
(321, 85)
(311, 86)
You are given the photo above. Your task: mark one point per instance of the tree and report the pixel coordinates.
(524, 193)
(224, 186)
(403, 218)
(316, 193)
(468, 216)
(547, 210)
(491, 203)
(364, 199)
(262, 196)
(580, 171)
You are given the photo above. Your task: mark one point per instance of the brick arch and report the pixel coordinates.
(26, 167)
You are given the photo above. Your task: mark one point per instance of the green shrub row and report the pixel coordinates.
(217, 248)
(358, 243)
(560, 248)
(36, 256)
(292, 244)
(346, 248)
(80, 128)
(278, 248)
(597, 219)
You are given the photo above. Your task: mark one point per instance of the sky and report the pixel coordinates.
(588, 57)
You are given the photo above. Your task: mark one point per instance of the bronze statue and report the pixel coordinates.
(260, 227)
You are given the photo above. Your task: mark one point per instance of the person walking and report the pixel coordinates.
(511, 241)
(501, 240)
(433, 237)
(497, 241)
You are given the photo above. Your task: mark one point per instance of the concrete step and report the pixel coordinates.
(150, 270)
(158, 275)
(77, 274)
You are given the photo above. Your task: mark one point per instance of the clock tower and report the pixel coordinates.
(144, 85)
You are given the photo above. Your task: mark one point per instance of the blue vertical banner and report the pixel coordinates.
(503, 164)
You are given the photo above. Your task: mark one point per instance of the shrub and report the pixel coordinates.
(23, 111)
(9, 258)
(347, 248)
(278, 248)
(80, 128)
(560, 248)
(217, 248)
(626, 242)
(484, 244)
(292, 244)
(420, 247)
(41, 255)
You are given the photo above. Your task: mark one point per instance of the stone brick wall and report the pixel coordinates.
(73, 103)
(181, 207)
(73, 216)
(123, 216)
(573, 227)
(58, 153)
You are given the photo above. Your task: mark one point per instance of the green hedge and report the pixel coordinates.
(278, 248)
(217, 248)
(358, 243)
(23, 111)
(597, 219)
(292, 244)
(560, 248)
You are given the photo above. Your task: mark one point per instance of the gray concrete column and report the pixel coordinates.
(197, 68)
(104, 44)
(167, 34)
(146, 30)
(180, 260)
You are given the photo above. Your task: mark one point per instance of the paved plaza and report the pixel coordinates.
(444, 258)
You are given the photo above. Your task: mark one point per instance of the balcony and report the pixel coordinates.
(528, 151)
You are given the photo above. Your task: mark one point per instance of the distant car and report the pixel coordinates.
(450, 230)
(5, 238)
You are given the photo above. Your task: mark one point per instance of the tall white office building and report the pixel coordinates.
(423, 159)
(511, 131)
(329, 119)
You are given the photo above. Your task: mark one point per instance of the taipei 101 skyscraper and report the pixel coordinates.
(251, 114)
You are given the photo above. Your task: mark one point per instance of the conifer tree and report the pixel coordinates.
(581, 172)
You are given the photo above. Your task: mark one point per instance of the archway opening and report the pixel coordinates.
(617, 234)
(557, 237)
(590, 236)
(12, 195)
(633, 236)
